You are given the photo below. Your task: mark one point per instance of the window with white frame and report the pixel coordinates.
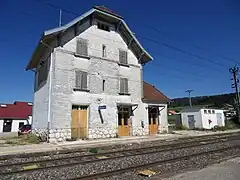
(205, 111)
(209, 111)
(123, 57)
(82, 47)
(81, 81)
(213, 111)
(123, 86)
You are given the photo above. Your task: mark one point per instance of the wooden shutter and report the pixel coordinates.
(123, 57)
(82, 47)
(121, 85)
(78, 80)
(81, 80)
(84, 80)
(124, 85)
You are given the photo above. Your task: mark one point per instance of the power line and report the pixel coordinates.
(182, 51)
(163, 44)
(194, 45)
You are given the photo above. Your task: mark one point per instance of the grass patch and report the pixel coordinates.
(181, 127)
(93, 150)
(30, 139)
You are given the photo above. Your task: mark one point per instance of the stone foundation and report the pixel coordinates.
(99, 132)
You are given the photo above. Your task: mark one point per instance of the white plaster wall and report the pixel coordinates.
(222, 123)
(163, 118)
(1, 125)
(212, 117)
(15, 124)
(41, 99)
(197, 117)
(96, 38)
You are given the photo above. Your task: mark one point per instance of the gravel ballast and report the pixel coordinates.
(124, 162)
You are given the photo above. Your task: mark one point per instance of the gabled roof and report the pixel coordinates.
(150, 93)
(102, 11)
(17, 110)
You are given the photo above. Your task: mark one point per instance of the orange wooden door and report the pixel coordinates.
(153, 125)
(79, 123)
(123, 125)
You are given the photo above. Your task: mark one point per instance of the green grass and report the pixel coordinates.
(20, 140)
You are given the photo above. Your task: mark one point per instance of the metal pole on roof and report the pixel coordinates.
(189, 96)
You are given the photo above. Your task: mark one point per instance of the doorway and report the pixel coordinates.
(79, 122)
(124, 113)
(153, 114)
(191, 121)
(219, 119)
(7, 125)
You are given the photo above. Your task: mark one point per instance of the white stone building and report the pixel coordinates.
(88, 81)
(202, 118)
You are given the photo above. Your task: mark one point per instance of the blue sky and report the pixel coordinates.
(206, 29)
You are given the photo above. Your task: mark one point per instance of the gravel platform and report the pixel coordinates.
(123, 162)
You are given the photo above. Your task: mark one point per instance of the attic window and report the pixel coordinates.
(3, 105)
(30, 104)
(103, 26)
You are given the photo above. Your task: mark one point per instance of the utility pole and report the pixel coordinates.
(234, 72)
(60, 17)
(189, 96)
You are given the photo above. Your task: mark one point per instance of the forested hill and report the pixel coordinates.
(215, 100)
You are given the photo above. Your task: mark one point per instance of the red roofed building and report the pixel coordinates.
(13, 116)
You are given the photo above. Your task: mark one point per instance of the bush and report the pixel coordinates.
(181, 127)
(31, 138)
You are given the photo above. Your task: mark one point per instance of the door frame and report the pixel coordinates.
(193, 121)
(11, 122)
(129, 119)
(88, 115)
(157, 121)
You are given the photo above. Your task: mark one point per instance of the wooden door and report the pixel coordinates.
(124, 121)
(7, 125)
(79, 122)
(153, 120)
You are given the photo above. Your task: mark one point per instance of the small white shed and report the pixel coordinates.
(202, 118)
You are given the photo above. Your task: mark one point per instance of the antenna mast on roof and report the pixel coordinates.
(60, 17)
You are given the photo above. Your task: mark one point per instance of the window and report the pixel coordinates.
(213, 111)
(123, 57)
(42, 72)
(82, 47)
(104, 53)
(103, 85)
(124, 86)
(81, 80)
(205, 111)
(209, 111)
(102, 26)
(20, 124)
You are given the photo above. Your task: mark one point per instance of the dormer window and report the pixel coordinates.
(102, 26)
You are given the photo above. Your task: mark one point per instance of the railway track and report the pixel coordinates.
(30, 166)
(148, 165)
